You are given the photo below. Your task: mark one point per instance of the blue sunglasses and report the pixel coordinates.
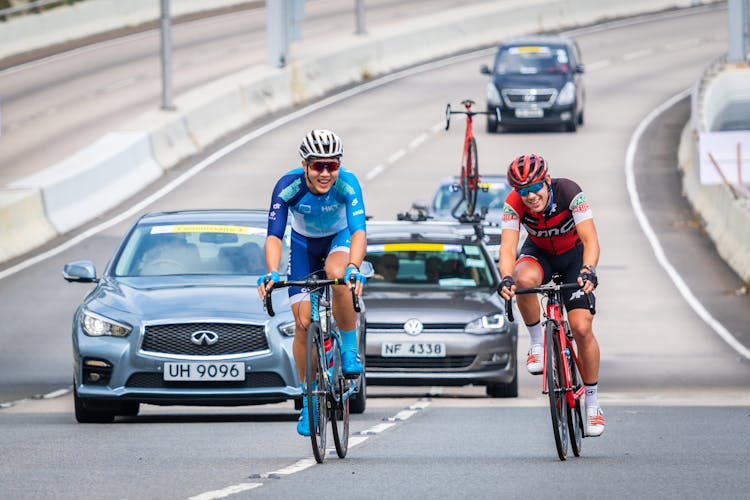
(534, 188)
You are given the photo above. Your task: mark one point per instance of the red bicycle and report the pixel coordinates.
(560, 380)
(469, 178)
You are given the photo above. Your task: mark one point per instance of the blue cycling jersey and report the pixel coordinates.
(316, 215)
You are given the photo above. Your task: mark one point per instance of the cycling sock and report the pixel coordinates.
(349, 341)
(535, 332)
(592, 397)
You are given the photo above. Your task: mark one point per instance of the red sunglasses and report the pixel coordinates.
(319, 166)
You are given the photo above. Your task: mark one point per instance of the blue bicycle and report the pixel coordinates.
(327, 391)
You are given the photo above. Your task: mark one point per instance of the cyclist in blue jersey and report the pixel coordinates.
(328, 232)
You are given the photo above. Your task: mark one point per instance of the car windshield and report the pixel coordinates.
(433, 264)
(531, 60)
(207, 249)
(492, 195)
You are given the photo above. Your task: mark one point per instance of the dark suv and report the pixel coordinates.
(536, 81)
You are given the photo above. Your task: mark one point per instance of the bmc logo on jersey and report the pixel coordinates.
(555, 231)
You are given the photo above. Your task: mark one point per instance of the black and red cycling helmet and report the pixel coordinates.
(526, 170)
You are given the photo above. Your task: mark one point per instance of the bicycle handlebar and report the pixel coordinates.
(468, 112)
(310, 283)
(549, 290)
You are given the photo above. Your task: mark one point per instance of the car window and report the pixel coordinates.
(226, 249)
(434, 264)
(532, 60)
(492, 195)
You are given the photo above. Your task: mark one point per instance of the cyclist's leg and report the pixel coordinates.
(581, 321)
(343, 309)
(532, 269)
(304, 258)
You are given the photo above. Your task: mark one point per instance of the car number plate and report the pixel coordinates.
(413, 350)
(529, 113)
(204, 371)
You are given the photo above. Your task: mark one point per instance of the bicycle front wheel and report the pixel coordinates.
(315, 391)
(555, 390)
(470, 176)
(340, 404)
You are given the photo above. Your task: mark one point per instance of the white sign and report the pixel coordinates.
(722, 146)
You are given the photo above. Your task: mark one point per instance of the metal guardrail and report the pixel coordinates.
(29, 6)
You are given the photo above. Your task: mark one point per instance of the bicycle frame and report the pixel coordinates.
(323, 379)
(469, 178)
(560, 356)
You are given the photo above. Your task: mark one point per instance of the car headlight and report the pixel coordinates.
(486, 324)
(567, 94)
(493, 96)
(287, 329)
(99, 326)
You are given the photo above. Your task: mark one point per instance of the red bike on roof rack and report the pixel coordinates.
(469, 179)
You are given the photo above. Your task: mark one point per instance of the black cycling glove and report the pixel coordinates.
(506, 282)
(589, 276)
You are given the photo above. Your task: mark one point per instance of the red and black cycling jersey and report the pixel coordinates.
(554, 229)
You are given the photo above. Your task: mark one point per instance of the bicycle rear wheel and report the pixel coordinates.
(555, 391)
(470, 177)
(315, 391)
(339, 404)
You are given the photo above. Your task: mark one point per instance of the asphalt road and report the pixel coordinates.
(675, 395)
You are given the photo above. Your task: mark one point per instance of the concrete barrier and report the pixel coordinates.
(97, 178)
(726, 219)
(23, 224)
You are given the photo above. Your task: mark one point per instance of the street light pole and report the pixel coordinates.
(166, 57)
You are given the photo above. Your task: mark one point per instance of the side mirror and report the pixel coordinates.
(81, 271)
(485, 70)
(580, 68)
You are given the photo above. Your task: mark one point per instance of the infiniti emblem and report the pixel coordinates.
(204, 337)
(413, 327)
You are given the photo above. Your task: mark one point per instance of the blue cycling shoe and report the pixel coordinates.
(351, 364)
(303, 424)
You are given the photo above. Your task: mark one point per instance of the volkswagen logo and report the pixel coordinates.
(413, 327)
(204, 337)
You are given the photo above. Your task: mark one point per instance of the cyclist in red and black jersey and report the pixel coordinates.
(562, 239)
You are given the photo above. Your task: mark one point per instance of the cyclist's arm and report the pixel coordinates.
(587, 232)
(273, 253)
(508, 245)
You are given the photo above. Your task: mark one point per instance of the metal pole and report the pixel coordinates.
(166, 57)
(737, 15)
(277, 38)
(359, 7)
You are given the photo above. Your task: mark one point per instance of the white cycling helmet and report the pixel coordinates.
(321, 143)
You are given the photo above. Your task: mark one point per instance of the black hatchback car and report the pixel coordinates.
(536, 81)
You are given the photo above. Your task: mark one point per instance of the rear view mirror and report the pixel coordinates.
(366, 269)
(81, 271)
(485, 70)
(218, 238)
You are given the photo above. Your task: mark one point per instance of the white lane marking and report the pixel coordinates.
(298, 466)
(57, 393)
(598, 65)
(438, 127)
(377, 429)
(638, 54)
(418, 140)
(225, 492)
(420, 405)
(661, 257)
(395, 157)
(374, 172)
(401, 416)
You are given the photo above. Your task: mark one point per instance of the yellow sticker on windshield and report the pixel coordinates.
(205, 228)
(407, 247)
(529, 49)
